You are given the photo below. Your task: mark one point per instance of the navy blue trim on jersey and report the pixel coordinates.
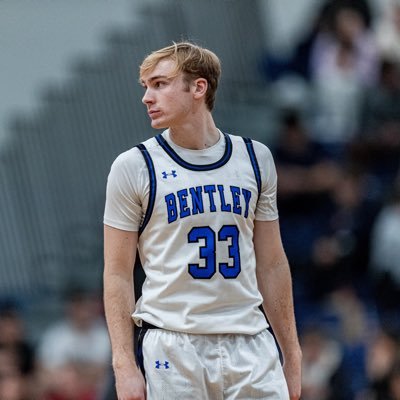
(139, 345)
(254, 162)
(153, 186)
(206, 167)
(139, 350)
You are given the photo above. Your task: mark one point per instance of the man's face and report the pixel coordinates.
(168, 97)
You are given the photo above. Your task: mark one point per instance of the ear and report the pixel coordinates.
(200, 87)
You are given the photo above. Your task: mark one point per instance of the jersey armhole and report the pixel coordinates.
(254, 163)
(153, 185)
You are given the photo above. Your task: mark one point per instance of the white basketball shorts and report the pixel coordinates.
(212, 367)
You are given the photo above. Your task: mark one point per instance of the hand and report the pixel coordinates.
(130, 385)
(292, 371)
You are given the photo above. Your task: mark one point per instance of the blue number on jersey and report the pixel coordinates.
(207, 252)
(226, 232)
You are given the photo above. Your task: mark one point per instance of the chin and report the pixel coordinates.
(159, 125)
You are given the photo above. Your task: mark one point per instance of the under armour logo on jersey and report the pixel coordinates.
(173, 173)
(159, 364)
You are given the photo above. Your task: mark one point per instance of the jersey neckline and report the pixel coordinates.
(197, 167)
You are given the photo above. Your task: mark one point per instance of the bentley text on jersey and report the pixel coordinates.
(207, 198)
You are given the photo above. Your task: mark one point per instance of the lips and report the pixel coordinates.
(153, 113)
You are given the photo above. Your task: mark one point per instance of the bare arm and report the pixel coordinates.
(275, 284)
(119, 259)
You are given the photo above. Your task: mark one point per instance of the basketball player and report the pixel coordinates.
(199, 205)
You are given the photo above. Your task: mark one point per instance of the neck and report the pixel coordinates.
(195, 135)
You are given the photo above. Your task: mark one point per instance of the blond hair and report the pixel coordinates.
(193, 60)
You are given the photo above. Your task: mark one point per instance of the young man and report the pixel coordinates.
(199, 205)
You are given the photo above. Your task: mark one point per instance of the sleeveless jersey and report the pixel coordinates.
(196, 240)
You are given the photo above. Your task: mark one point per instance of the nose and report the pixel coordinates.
(147, 97)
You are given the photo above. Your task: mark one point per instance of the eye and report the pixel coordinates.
(159, 84)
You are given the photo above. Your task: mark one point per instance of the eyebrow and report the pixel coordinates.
(153, 78)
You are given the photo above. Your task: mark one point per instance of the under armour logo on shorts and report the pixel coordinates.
(165, 175)
(159, 364)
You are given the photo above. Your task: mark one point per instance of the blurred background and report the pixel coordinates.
(316, 81)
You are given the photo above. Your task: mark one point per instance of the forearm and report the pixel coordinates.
(275, 285)
(119, 259)
(119, 305)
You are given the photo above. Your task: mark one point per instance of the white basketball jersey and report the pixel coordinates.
(196, 242)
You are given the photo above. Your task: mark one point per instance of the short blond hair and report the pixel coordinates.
(194, 61)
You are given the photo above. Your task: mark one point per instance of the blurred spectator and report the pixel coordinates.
(304, 168)
(326, 272)
(298, 61)
(75, 349)
(362, 7)
(340, 255)
(388, 32)
(72, 381)
(355, 326)
(17, 358)
(394, 381)
(13, 387)
(12, 337)
(343, 63)
(382, 101)
(382, 365)
(321, 358)
(385, 258)
(377, 147)
(306, 177)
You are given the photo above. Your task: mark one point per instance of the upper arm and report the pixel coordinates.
(268, 244)
(127, 191)
(119, 251)
(267, 209)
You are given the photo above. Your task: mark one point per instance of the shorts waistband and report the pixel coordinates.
(147, 325)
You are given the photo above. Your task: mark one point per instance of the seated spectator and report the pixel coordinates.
(340, 255)
(394, 381)
(381, 102)
(12, 336)
(78, 341)
(304, 168)
(385, 258)
(307, 175)
(343, 64)
(298, 61)
(17, 357)
(382, 365)
(387, 32)
(13, 387)
(321, 357)
(72, 381)
(377, 147)
(355, 324)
